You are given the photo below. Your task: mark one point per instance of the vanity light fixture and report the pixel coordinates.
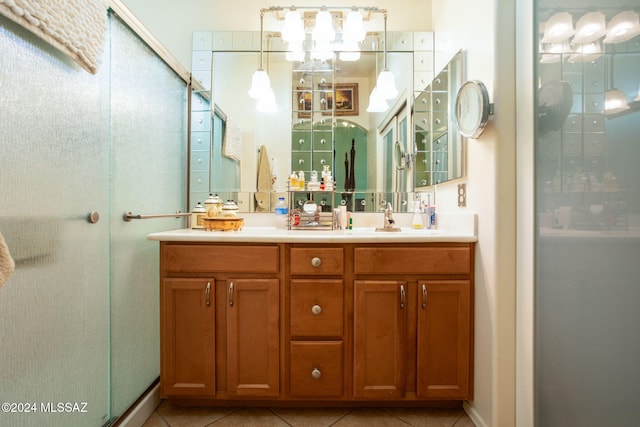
(558, 28)
(587, 52)
(622, 27)
(589, 28)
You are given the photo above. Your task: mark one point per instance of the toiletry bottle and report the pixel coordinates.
(417, 217)
(293, 182)
(282, 214)
(301, 180)
(197, 214)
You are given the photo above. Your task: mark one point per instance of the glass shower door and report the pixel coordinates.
(54, 310)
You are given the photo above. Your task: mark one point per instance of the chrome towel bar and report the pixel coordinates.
(128, 216)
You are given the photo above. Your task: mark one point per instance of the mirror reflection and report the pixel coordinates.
(242, 142)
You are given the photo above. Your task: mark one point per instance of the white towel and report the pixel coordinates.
(75, 27)
(232, 141)
(264, 181)
(7, 265)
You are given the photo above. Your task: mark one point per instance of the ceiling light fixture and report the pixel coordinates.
(386, 83)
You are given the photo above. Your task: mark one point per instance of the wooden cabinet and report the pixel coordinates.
(220, 335)
(187, 337)
(316, 327)
(444, 339)
(253, 338)
(317, 323)
(380, 347)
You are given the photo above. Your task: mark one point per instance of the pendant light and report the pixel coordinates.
(558, 28)
(377, 103)
(615, 100)
(260, 83)
(622, 27)
(590, 28)
(386, 83)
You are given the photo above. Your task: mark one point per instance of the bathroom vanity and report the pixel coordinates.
(315, 317)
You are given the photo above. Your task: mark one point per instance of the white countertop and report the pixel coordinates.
(275, 235)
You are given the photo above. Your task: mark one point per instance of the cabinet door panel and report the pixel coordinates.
(187, 337)
(380, 319)
(253, 337)
(444, 339)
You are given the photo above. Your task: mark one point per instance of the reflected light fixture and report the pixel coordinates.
(377, 103)
(622, 27)
(587, 52)
(260, 82)
(386, 84)
(589, 28)
(558, 28)
(615, 100)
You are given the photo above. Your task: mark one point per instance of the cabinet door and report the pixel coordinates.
(253, 337)
(187, 338)
(380, 319)
(444, 339)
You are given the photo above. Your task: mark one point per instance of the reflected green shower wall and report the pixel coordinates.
(79, 317)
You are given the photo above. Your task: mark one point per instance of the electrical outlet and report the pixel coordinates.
(462, 195)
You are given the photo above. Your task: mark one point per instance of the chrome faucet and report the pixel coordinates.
(389, 222)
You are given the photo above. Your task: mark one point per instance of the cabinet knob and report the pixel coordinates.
(315, 374)
(316, 262)
(316, 310)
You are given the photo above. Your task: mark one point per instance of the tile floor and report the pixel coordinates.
(170, 415)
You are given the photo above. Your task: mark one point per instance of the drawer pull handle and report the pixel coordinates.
(316, 310)
(207, 294)
(402, 296)
(316, 262)
(230, 294)
(424, 296)
(316, 374)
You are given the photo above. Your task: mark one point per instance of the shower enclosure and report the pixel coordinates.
(79, 338)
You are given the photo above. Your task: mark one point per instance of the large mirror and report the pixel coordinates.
(228, 154)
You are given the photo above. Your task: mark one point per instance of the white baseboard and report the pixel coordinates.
(473, 414)
(143, 410)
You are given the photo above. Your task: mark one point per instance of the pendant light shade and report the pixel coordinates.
(323, 31)
(386, 84)
(353, 28)
(558, 28)
(350, 51)
(377, 103)
(622, 27)
(615, 101)
(587, 52)
(590, 28)
(267, 103)
(293, 30)
(260, 84)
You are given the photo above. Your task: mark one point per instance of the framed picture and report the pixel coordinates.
(302, 102)
(344, 95)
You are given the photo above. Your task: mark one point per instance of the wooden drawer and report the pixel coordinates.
(412, 260)
(317, 261)
(219, 258)
(316, 369)
(316, 308)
